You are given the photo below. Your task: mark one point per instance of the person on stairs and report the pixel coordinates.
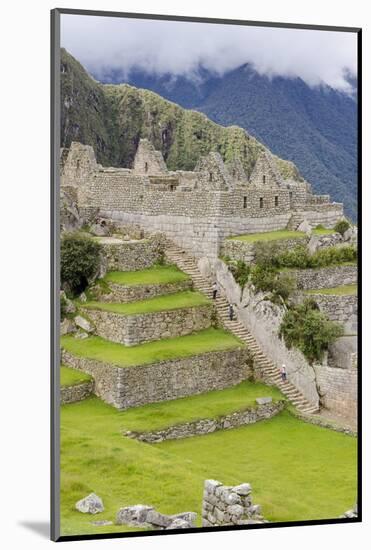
(231, 311)
(283, 373)
(215, 290)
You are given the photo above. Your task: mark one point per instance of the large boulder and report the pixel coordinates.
(305, 227)
(133, 515)
(83, 323)
(67, 326)
(92, 504)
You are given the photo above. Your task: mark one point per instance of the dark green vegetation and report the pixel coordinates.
(73, 377)
(152, 352)
(345, 290)
(80, 258)
(342, 226)
(177, 300)
(112, 118)
(158, 416)
(299, 257)
(315, 127)
(309, 330)
(267, 279)
(156, 275)
(285, 460)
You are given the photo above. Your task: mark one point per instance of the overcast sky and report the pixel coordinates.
(104, 43)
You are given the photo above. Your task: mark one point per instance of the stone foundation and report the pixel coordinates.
(136, 329)
(72, 394)
(224, 505)
(338, 390)
(210, 425)
(134, 386)
(337, 308)
(326, 277)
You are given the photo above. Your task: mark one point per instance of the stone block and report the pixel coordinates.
(263, 400)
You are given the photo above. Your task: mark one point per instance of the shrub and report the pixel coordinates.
(300, 258)
(268, 279)
(80, 259)
(241, 272)
(266, 253)
(308, 329)
(342, 226)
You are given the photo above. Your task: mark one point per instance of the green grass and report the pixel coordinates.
(73, 377)
(298, 471)
(204, 341)
(156, 275)
(158, 416)
(167, 302)
(322, 231)
(346, 290)
(269, 236)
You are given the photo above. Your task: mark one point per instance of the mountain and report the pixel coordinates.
(314, 127)
(112, 118)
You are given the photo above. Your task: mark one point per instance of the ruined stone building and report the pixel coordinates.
(196, 209)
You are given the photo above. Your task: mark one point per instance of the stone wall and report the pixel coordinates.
(135, 329)
(131, 255)
(133, 293)
(223, 505)
(210, 425)
(337, 308)
(134, 386)
(78, 392)
(325, 277)
(338, 390)
(343, 352)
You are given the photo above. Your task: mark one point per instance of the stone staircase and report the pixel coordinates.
(270, 373)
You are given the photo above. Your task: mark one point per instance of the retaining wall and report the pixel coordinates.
(78, 392)
(134, 386)
(135, 329)
(133, 293)
(325, 277)
(338, 390)
(210, 425)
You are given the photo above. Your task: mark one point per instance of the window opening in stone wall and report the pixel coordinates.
(245, 202)
(261, 202)
(210, 176)
(146, 167)
(172, 187)
(290, 195)
(263, 179)
(276, 201)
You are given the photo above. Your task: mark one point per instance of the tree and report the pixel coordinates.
(80, 259)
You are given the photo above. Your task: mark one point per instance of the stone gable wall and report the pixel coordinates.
(136, 329)
(134, 386)
(210, 425)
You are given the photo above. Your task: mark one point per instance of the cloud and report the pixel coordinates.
(104, 44)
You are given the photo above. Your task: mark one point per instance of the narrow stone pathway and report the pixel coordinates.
(270, 372)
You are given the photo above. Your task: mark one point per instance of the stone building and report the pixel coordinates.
(197, 209)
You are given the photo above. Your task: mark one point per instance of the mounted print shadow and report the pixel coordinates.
(205, 177)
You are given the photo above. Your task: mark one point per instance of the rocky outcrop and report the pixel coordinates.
(92, 504)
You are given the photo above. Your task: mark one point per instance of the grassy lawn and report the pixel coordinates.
(177, 300)
(212, 404)
(298, 471)
(269, 236)
(94, 347)
(73, 377)
(156, 275)
(346, 290)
